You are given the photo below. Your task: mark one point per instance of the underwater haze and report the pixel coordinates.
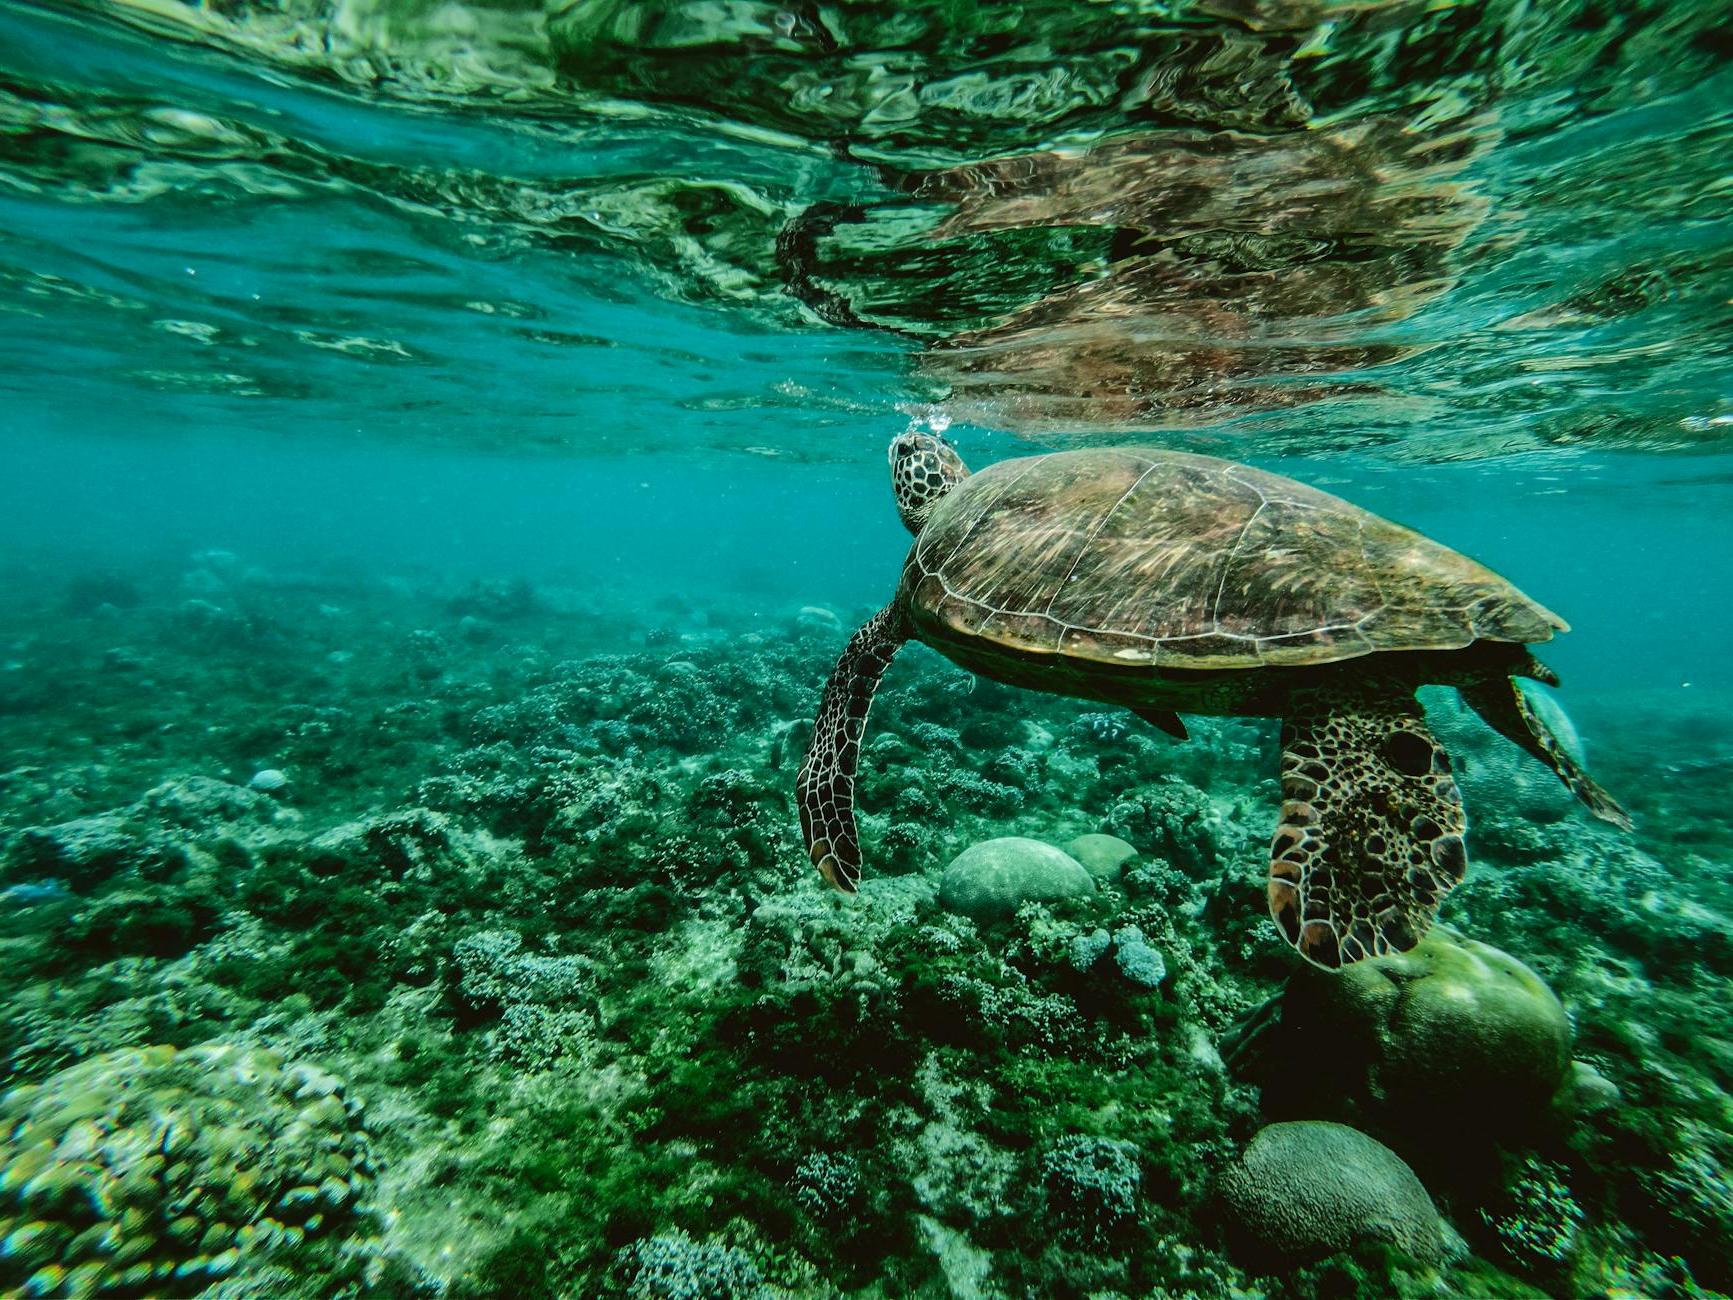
(443, 457)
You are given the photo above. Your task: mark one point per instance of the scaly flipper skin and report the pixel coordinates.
(1506, 709)
(826, 783)
(1370, 839)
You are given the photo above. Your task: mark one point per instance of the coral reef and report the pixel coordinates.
(1309, 1188)
(532, 888)
(991, 880)
(1453, 1032)
(1537, 1222)
(152, 1171)
(1103, 856)
(1092, 1183)
(1137, 961)
(674, 1267)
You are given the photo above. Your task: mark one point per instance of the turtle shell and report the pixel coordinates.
(1132, 557)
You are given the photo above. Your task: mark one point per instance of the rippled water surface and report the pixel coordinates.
(1441, 231)
(442, 454)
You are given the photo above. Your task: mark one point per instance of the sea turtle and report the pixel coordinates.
(1168, 583)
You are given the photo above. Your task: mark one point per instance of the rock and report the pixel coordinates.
(122, 659)
(991, 880)
(1302, 1191)
(1587, 1091)
(410, 840)
(200, 801)
(88, 850)
(1102, 856)
(1451, 1030)
(147, 919)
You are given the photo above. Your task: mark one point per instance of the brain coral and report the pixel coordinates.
(1308, 1189)
(1451, 1033)
(156, 1171)
(991, 880)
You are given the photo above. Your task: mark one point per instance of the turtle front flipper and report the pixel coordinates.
(825, 786)
(1507, 710)
(1370, 839)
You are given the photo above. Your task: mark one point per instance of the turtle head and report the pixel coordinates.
(923, 468)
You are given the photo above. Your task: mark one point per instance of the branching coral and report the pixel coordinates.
(1092, 1182)
(672, 1266)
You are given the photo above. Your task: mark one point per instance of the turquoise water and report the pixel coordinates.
(442, 456)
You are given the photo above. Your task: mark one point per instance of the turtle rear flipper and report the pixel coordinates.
(1501, 702)
(826, 783)
(1370, 839)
